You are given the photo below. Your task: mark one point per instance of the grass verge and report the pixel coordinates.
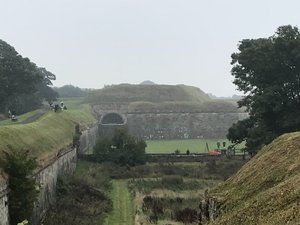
(122, 213)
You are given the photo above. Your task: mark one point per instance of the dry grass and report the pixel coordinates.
(141, 218)
(267, 189)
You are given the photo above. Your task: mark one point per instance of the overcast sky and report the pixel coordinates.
(91, 43)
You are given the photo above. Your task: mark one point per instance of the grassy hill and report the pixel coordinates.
(148, 93)
(47, 135)
(161, 98)
(267, 189)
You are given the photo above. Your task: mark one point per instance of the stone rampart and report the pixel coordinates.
(180, 125)
(88, 138)
(63, 164)
(177, 123)
(4, 220)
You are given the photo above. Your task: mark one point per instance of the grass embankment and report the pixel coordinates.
(122, 213)
(194, 145)
(267, 189)
(163, 98)
(49, 133)
(148, 93)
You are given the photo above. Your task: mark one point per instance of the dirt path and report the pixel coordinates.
(123, 213)
(34, 117)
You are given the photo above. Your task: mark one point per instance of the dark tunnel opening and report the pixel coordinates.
(112, 119)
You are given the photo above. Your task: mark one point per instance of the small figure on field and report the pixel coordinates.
(56, 108)
(62, 105)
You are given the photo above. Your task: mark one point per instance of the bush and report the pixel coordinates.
(172, 180)
(122, 149)
(186, 215)
(19, 166)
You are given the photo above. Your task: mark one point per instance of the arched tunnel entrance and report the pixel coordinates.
(109, 122)
(112, 119)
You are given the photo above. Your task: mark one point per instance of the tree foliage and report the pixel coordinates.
(23, 85)
(267, 70)
(122, 149)
(19, 166)
(68, 91)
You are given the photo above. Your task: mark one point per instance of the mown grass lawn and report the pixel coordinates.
(123, 212)
(194, 145)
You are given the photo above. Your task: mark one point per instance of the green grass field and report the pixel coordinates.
(122, 213)
(194, 145)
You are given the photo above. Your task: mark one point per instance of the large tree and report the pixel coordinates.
(267, 70)
(23, 85)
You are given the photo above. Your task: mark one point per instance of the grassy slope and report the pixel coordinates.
(123, 213)
(161, 98)
(148, 93)
(48, 134)
(20, 118)
(267, 189)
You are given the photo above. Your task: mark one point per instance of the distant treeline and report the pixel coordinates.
(69, 91)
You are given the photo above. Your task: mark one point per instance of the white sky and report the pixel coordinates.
(90, 43)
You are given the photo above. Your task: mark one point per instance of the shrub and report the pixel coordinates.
(172, 180)
(122, 149)
(19, 166)
(186, 215)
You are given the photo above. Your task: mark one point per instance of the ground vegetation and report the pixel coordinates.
(121, 148)
(21, 183)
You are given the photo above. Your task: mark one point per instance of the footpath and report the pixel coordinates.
(122, 213)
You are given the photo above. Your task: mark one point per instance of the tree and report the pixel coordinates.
(19, 166)
(23, 85)
(17, 75)
(68, 91)
(43, 90)
(122, 149)
(267, 70)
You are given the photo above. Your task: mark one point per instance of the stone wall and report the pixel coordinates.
(63, 164)
(88, 138)
(171, 124)
(180, 125)
(209, 208)
(3, 199)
